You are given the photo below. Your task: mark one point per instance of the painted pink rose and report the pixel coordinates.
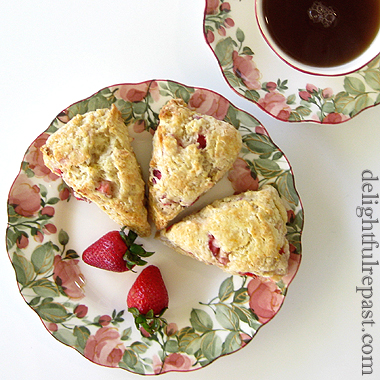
(241, 177)
(36, 161)
(139, 126)
(38, 237)
(170, 329)
(25, 196)
(173, 362)
(63, 116)
(144, 332)
(245, 339)
(154, 91)
(67, 274)
(291, 216)
(64, 193)
(49, 228)
(133, 93)
(335, 118)
(293, 264)
(225, 7)
(261, 130)
(209, 103)
(210, 37)
(246, 69)
(105, 320)
(271, 86)
(304, 95)
(22, 241)
(327, 92)
(222, 31)
(48, 210)
(105, 347)
(265, 298)
(229, 23)
(137, 92)
(212, 7)
(311, 88)
(52, 326)
(81, 311)
(275, 104)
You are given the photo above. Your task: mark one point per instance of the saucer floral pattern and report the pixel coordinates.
(285, 93)
(49, 270)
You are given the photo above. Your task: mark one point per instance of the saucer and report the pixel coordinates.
(254, 71)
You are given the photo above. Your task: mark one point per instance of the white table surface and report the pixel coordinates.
(53, 53)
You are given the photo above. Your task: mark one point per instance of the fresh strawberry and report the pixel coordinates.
(148, 299)
(116, 252)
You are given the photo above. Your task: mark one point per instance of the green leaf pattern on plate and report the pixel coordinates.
(47, 265)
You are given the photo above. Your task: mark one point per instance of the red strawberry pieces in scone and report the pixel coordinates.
(243, 233)
(191, 153)
(94, 156)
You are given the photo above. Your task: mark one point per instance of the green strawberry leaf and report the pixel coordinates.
(134, 251)
(138, 250)
(149, 322)
(130, 238)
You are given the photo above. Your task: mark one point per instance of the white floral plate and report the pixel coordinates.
(254, 71)
(84, 307)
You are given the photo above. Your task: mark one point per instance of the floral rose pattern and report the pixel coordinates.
(36, 161)
(265, 298)
(242, 178)
(136, 93)
(294, 263)
(209, 103)
(105, 347)
(25, 197)
(275, 103)
(245, 69)
(173, 362)
(212, 7)
(248, 75)
(50, 273)
(68, 276)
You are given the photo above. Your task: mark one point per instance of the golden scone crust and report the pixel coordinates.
(243, 233)
(191, 153)
(94, 156)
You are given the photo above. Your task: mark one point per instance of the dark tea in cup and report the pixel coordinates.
(321, 34)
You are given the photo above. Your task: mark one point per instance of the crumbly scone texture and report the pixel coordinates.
(94, 156)
(241, 234)
(191, 153)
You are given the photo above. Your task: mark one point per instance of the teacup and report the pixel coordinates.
(321, 21)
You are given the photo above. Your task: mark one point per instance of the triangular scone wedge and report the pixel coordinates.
(241, 234)
(191, 153)
(94, 156)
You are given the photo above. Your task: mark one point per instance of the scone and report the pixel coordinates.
(191, 153)
(241, 234)
(94, 156)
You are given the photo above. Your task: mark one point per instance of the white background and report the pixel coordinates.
(53, 53)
